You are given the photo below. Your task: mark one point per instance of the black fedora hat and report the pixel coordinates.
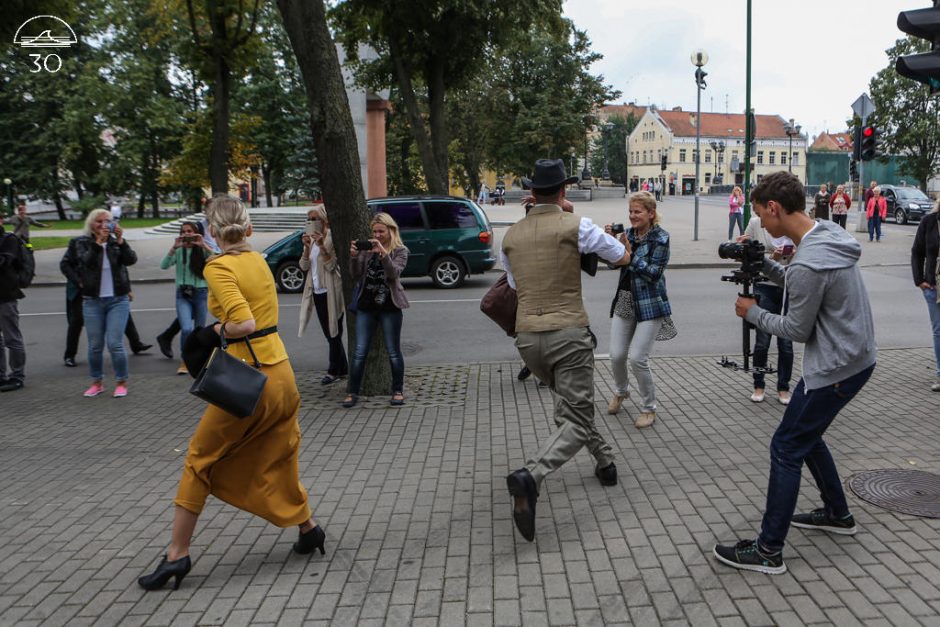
(549, 173)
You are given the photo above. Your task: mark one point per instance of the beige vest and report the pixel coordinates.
(546, 265)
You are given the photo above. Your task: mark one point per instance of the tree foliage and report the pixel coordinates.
(621, 127)
(906, 115)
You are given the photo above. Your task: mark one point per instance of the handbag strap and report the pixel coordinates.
(224, 345)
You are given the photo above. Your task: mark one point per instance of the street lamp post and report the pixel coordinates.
(719, 148)
(586, 172)
(9, 183)
(571, 152)
(792, 131)
(606, 129)
(699, 58)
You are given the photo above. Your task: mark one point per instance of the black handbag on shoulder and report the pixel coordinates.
(230, 383)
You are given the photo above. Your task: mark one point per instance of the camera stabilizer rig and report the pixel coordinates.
(751, 255)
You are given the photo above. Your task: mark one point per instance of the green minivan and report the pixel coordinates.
(447, 237)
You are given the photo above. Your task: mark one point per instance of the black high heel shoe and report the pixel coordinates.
(158, 578)
(311, 540)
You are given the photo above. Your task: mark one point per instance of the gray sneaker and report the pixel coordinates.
(819, 519)
(936, 386)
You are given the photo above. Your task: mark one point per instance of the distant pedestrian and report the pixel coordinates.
(542, 257)
(840, 203)
(323, 291)
(869, 192)
(380, 299)
(250, 463)
(821, 203)
(12, 347)
(97, 262)
(22, 221)
(658, 187)
(640, 312)
(483, 198)
(500, 195)
(116, 210)
(735, 211)
(876, 211)
(924, 266)
(189, 253)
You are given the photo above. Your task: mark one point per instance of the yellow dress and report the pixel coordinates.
(250, 463)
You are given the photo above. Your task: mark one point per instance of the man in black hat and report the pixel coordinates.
(541, 254)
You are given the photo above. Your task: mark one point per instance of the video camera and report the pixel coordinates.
(751, 255)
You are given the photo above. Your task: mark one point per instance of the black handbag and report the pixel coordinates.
(230, 383)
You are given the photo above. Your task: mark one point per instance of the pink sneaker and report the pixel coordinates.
(95, 389)
(120, 390)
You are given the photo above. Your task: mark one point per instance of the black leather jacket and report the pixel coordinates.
(83, 261)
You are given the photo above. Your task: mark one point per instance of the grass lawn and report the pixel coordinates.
(45, 243)
(127, 223)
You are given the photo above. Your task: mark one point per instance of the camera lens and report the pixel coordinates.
(730, 250)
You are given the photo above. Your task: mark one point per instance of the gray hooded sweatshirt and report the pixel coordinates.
(828, 306)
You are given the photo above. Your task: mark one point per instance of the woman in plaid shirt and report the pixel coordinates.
(640, 312)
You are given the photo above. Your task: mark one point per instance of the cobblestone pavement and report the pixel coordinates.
(418, 521)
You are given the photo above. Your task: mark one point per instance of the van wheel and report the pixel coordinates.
(448, 272)
(900, 217)
(289, 277)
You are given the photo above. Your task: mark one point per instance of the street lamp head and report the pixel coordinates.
(8, 181)
(699, 58)
(798, 127)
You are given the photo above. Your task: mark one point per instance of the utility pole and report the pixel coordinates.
(749, 132)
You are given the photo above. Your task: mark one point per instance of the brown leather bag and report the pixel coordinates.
(500, 303)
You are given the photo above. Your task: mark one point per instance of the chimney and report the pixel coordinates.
(677, 108)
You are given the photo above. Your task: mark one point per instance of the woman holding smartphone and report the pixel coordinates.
(323, 290)
(189, 253)
(97, 262)
(376, 266)
(781, 250)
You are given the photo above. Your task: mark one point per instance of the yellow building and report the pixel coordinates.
(672, 133)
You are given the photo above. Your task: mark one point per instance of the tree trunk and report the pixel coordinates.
(218, 153)
(334, 138)
(266, 173)
(437, 118)
(141, 205)
(416, 122)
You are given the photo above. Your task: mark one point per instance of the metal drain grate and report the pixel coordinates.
(912, 492)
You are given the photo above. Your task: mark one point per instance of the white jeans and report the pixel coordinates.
(632, 341)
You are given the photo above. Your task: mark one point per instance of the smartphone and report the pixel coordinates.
(788, 250)
(111, 226)
(187, 239)
(363, 244)
(310, 227)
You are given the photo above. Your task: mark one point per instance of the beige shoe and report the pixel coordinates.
(783, 397)
(182, 369)
(614, 406)
(645, 419)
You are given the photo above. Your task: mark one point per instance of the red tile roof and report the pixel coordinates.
(833, 142)
(682, 124)
(623, 110)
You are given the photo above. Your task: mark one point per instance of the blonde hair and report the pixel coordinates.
(388, 221)
(737, 189)
(228, 219)
(90, 220)
(647, 201)
(320, 212)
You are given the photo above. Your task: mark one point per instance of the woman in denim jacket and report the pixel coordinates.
(640, 312)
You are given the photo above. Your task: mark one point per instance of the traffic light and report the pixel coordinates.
(857, 144)
(853, 170)
(923, 67)
(662, 162)
(869, 146)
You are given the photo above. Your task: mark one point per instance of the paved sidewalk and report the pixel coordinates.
(418, 523)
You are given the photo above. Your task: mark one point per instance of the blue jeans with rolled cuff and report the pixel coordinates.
(366, 322)
(933, 308)
(191, 312)
(105, 320)
(799, 440)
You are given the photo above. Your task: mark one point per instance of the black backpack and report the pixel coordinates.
(25, 264)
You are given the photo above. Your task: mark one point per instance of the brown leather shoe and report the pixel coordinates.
(614, 406)
(645, 419)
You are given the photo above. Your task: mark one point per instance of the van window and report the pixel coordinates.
(450, 215)
(406, 214)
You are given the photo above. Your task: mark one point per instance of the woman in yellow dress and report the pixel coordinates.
(250, 463)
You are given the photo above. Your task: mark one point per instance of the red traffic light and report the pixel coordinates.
(868, 131)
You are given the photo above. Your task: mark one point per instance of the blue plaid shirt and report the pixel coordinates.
(644, 276)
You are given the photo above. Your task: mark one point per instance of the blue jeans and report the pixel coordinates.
(874, 227)
(771, 299)
(105, 319)
(366, 322)
(933, 307)
(798, 439)
(735, 218)
(191, 312)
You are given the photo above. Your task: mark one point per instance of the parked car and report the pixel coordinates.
(447, 237)
(906, 204)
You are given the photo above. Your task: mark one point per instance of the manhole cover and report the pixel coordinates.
(912, 492)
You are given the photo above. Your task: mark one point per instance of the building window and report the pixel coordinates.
(708, 178)
(708, 157)
(682, 155)
(721, 157)
(773, 158)
(734, 155)
(695, 156)
(783, 158)
(795, 158)
(760, 157)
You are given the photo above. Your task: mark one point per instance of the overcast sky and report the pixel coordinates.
(810, 59)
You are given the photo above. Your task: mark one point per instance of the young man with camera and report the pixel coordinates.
(828, 310)
(542, 257)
